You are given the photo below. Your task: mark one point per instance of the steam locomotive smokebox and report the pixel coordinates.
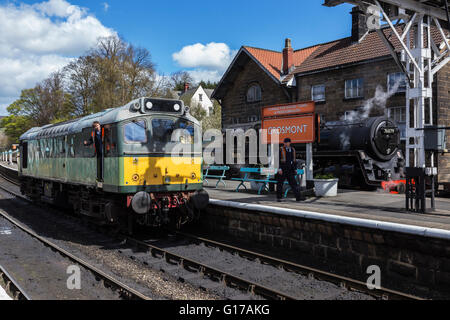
(378, 136)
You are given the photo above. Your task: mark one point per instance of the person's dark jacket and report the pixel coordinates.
(288, 160)
(97, 140)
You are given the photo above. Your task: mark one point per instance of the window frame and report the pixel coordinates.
(402, 114)
(359, 90)
(256, 98)
(400, 88)
(401, 124)
(125, 124)
(324, 93)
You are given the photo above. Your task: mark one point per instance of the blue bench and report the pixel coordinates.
(222, 176)
(269, 178)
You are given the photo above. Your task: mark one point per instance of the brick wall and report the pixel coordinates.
(413, 264)
(234, 104)
(442, 104)
(374, 74)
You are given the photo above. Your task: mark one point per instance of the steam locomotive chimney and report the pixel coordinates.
(186, 86)
(359, 24)
(288, 56)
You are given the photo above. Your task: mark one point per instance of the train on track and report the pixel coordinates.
(362, 153)
(141, 181)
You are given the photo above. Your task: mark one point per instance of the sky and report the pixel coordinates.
(201, 37)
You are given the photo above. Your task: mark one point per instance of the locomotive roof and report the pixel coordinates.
(77, 125)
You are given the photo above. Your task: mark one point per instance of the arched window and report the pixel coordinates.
(254, 93)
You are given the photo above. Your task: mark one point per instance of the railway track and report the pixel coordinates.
(237, 282)
(11, 286)
(124, 291)
(185, 263)
(344, 282)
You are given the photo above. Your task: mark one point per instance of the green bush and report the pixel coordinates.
(324, 176)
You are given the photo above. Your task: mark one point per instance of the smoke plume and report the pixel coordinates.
(377, 104)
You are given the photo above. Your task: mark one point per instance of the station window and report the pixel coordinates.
(352, 115)
(354, 88)
(318, 93)
(135, 132)
(253, 118)
(200, 97)
(254, 93)
(397, 79)
(398, 114)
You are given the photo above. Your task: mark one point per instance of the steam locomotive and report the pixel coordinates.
(362, 153)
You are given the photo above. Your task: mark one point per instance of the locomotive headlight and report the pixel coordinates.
(136, 106)
(148, 105)
(193, 176)
(177, 107)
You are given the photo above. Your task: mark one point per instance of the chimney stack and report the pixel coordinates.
(288, 57)
(359, 24)
(186, 86)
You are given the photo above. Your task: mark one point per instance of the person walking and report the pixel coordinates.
(97, 140)
(288, 171)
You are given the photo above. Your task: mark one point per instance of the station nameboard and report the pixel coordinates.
(288, 109)
(296, 121)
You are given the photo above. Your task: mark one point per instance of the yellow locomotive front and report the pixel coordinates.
(160, 162)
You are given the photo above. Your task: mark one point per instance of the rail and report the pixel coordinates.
(351, 284)
(12, 287)
(125, 291)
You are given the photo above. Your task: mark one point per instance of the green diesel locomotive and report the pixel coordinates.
(143, 179)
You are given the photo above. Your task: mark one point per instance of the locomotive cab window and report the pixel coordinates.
(110, 141)
(135, 132)
(87, 151)
(166, 132)
(24, 155)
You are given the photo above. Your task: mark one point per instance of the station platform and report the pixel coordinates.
(9, 165)
(376, 205)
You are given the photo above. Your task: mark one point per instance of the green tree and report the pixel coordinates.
(179, 79)
(46, 103)
(15, 124)
(208, 85)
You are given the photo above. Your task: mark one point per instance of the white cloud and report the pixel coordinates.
(38, 39)
(207, 62)
(105, 6)
(212, 56)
